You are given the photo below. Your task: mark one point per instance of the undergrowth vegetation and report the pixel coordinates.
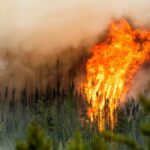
(63, 124)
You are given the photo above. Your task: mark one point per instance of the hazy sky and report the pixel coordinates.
(45, 24)
(31, 30)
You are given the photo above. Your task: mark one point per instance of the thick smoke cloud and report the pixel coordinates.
(35, 31)
(44, 25)
(140, 83)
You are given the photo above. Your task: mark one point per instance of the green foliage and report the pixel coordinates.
(60, 146)
(98, 144)
(122, 125)
(76, 143)
(3, 133)
(61, 118)
(128, 141)
(43, 115)
(35, 140)
(67, 121)
(145, 128)
(145, 102)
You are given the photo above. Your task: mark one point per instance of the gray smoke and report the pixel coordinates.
(140, 84)
(34, 32)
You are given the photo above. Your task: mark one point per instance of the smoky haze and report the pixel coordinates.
(33, 32)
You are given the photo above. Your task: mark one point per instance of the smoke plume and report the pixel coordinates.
(35, 32)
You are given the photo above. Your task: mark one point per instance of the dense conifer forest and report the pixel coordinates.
(56, 118)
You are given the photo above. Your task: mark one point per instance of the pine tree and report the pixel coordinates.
(35, 140)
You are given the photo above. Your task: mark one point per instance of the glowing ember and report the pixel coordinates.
(112, 67)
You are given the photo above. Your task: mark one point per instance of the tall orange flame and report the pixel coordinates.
(111, 68)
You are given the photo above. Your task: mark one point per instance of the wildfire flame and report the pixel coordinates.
(112, 67)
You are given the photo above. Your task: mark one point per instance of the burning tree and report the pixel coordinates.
(112, 67)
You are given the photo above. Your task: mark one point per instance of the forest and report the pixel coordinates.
(57, 119)
(74, 75)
